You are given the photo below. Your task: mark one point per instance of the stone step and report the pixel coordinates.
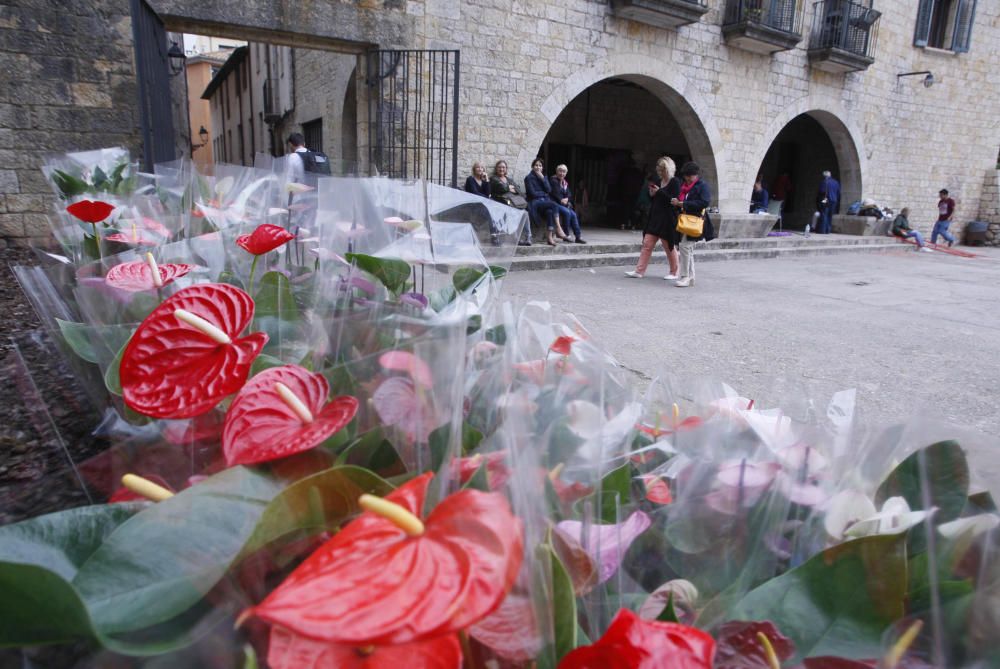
(703, 253)
(544, 250)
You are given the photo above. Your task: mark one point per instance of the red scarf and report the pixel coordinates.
(686, 188)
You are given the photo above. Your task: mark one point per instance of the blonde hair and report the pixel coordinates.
(475, 165)
(668, 164)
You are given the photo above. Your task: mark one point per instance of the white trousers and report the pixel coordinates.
(687, 258)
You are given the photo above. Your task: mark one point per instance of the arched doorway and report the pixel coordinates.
(807, 145)
(610, 136)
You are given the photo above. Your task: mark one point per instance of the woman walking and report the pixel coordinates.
(694, 198)
(662, 223)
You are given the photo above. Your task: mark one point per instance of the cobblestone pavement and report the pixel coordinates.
(916, 334)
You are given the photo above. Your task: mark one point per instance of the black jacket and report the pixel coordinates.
(536, 187)
(473, 186)
(558, 192)
(699, 198)
(662, 215)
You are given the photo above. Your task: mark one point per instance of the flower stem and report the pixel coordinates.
(97, 241)
(253, 268)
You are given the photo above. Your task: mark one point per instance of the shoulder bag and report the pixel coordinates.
(691, 224)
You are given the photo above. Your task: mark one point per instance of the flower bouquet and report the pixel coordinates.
(327, 442)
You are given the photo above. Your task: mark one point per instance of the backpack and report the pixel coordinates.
(315, 161)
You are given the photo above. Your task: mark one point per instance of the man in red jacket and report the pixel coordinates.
(946, 207)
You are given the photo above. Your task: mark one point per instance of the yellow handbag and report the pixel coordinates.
(691, 224)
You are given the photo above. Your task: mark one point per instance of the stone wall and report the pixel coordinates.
(321, 79)
(523, 62)
(67, 82)
(989, 207)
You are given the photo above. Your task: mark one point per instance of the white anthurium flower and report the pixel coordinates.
(223, 186)
(663, 445)
(894, 517)
(276, 211)
(969, 528)
(602, 437)
(771, 426)
(295, 187)
(844, 510)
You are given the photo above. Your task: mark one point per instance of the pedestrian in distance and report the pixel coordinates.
(661, 226)
(827, 202)
(538, 191)
(694, 198)
(502, 189)
(901, 228)
(563, 198)
(946, 209)
(302, 159)
(477, 183)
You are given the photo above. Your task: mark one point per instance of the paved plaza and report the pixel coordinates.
(916, 334)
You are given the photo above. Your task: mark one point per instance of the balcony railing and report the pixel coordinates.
(661, 13)
(844, 35)
(763, 26)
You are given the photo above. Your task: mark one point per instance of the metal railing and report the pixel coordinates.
(781, 15)
(841, 24)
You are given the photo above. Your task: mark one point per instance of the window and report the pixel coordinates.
(313, 133)
(945, 24)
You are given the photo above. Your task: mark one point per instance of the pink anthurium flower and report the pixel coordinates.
(138, 276)
(401, 403)
(135, 239)
(739, 484)
(280, 412)
(187, 355)
(607, 544)
(512, 631)
(497, 471)
(264, 239)
(404, 361)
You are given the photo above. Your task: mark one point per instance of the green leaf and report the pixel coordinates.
(467, 277)
(440, 299)
(615, 492)
(38, 559)
(946, 473)
(264, 361)
(668, 614)
(112, 378)
(391, 272)
(100, 179)
(69, 185)
(563, 605)
(480, 480)
(497, 334)
(839, 602)
(77, 337)
(275, 311)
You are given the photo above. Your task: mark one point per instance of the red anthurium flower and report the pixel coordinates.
(657, 490)
(390, 578)
(91, 211)
(740, 647)
(281, 411)
(634, 643)
(562, 345)
(497, 471)
(265, 238)
(289, 650)
(134, 238)
(138, 276)
(185, 356)
(511, 631)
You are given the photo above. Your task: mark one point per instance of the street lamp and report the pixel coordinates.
(928, 80)
(176, 58)
(203, 134)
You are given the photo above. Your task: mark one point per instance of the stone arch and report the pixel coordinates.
(847, 139)
(677, 93)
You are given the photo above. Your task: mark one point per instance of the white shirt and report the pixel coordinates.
(297, 168)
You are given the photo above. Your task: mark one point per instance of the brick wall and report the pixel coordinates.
(67, 82)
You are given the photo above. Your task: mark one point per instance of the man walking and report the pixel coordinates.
(946, 208)
(827, 202)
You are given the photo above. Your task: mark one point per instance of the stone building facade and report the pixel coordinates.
(524, 64)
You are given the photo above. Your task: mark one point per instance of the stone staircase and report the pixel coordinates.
(618, 247)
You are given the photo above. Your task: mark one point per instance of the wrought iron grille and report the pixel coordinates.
(153, 74)
(851, 26)
(413, 114)
(781, 15)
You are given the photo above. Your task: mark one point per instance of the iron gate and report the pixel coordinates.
(153, 74)
(413, 114)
